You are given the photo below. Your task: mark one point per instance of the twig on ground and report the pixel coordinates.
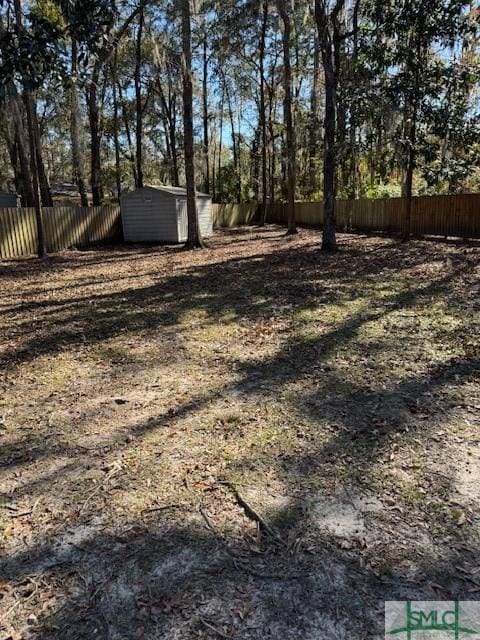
(214, 629)
(164, 508)
(100, 587)
(288, 577)
(210, 526)
(108, 477)
(23, 602)
(30, 512)
(254, 515)
(10, 507)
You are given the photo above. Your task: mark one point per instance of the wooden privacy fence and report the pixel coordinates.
(235, 215)
(64, 227)
(455, 215)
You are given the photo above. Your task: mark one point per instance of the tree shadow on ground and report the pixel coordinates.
(299, 356)
(154, 579)
(177, 573)
(260, 285)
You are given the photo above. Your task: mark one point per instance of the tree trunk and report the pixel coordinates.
(412, 101)
(206, 150)
(78, 159)
(128, 133)
(410, 137)
(194, 240)
(273, 160)
(170, 123)
(18, 154)
(329, 241)
(220, 141)
(41, 248)
(236, 163)
(32, 141)
(39, 178)
(25, 178)
(354, 164)
(116, 141)
(173, 148)
(263, 115)
(290, 131)
(139, 101)
(43, 183)
(255, 165)
(313, 134)
(94, 122)
(11, 143)
(338, 27)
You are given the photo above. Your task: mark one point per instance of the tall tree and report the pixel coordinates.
(314, 131)
(205, 113)
(194, 240)
(41, 246)
(139, 106)
(417, 74)
(263, 110)
(102, 45)
(78, 152)
(24, 58)
(326, 18)
(288, 115)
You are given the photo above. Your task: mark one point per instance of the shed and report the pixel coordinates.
(159, 214)
(8, 200)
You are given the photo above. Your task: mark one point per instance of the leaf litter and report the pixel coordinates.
(255, 441)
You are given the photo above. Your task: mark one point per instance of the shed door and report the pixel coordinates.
(182, 220)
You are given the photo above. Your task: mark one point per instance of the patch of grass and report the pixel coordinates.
(56, 373)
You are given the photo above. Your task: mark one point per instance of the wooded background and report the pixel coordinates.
(103, 85)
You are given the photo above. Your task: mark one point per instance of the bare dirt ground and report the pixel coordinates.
(256, 441)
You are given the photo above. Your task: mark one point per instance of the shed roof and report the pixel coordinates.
(173, 191)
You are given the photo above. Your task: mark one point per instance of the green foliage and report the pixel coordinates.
(381, 190)
(418, 60)
(30, 52)
(409, 59)
(226, 183)
(89, 22)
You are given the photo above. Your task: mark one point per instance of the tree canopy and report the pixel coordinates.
(291, 101)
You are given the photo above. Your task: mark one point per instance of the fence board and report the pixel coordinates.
(235, 215)
(64, 227)
(21, 233)
(3, 249)
(10, 233)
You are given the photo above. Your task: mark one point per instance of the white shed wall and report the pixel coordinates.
(205, 219)
(150, 215)
(205, 216)
(182, 220)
